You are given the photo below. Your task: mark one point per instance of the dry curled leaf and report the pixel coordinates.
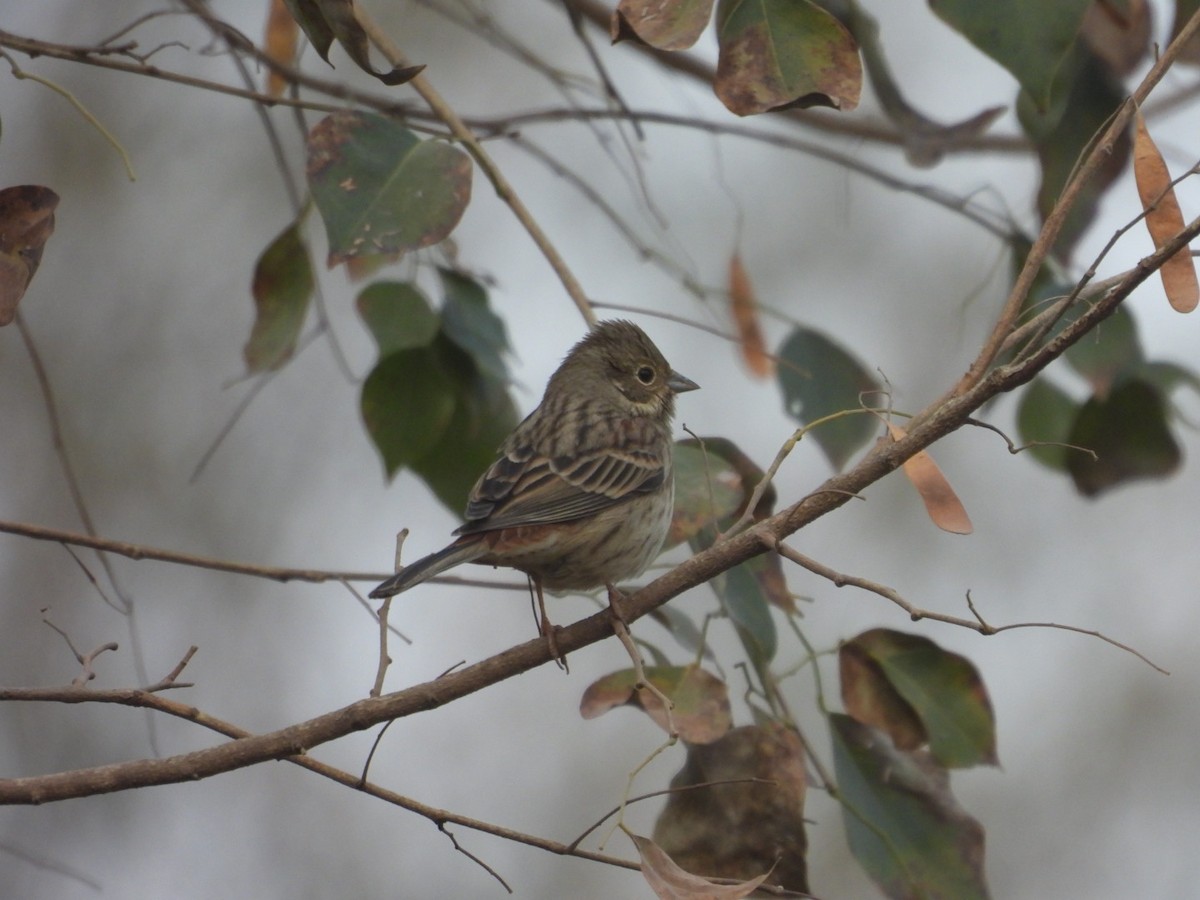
(670, 882)
(26, 223)
(1164, 219)
(942, 504)
(744, 305)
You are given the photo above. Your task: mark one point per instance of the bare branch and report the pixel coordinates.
(978, 623)
(151, 701)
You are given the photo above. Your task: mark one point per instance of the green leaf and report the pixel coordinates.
(942, 689)
(470, 323)
(1063, 133)
(407, 403)
(819, 379)
(1166, 377)
(780, 54)
(324, 20)
(748, 590)
(902, 823)
(1029, 38)
(311, 19)
(282, 289)
(707, 490)
(1044, 418)
(1109, 350)
(484, 414)
(1128, 431)
(742, 596)
(397, 315)
(381, 189)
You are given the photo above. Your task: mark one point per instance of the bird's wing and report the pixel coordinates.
(526, 488)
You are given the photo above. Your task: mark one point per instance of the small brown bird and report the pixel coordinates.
(582, 494)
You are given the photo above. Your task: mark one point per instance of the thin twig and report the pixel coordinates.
(124, 604)
(84, 659)
(1070, 193)
(273, 573)
(641, 682)
(158, 703)
(385, 660)
(916, 613)
(108, 136)
(504, 189)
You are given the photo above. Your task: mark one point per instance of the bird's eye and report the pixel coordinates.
(645, 375)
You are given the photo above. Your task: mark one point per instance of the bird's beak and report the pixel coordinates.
(680, 384)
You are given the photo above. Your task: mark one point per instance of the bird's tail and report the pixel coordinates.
(465, 549)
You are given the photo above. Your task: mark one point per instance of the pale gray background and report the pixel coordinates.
(141, 309)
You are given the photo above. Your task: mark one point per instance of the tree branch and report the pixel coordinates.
(882, 459)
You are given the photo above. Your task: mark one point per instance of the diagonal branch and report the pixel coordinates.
(1100, 151)
(146, 699)
(296, 739)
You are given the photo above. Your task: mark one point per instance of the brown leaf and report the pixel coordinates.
(942, 504)
(1118, 33)
(869, 697)
(26, 223)
(1164, 219)
(701, 713)
(744, 305)
(279, 43)
(737, 808)
(670, 882)
(663, 24)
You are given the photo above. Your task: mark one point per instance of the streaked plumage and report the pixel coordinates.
(582, 493)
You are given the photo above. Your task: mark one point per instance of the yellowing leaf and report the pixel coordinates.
(744, 305)
(942, 504)
(1164, 219)
(279, 43)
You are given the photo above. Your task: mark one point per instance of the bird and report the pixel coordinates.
(581, 493)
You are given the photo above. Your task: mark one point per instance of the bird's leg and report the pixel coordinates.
(546, 628)
(621, 630)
